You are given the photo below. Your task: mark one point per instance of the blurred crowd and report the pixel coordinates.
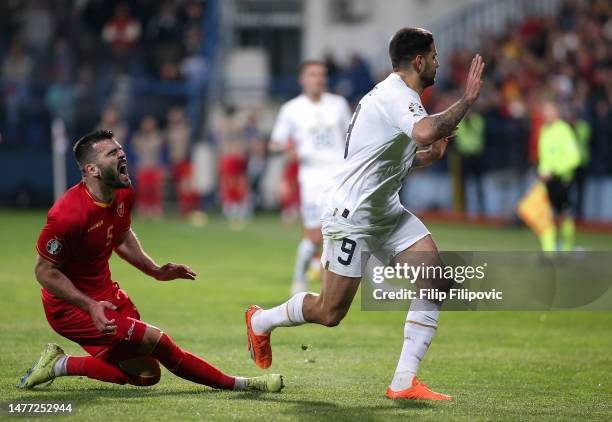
(565, 58)
(138, 68)
(352, 80)
(74, 59)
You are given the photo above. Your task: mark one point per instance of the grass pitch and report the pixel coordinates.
(499, 366)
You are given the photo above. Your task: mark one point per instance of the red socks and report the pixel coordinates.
(103, 371)
(189, 366)
(178, 361)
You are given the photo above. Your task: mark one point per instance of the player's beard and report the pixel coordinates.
(428, 78)
(111, 177)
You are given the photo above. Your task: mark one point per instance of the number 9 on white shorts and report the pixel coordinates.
(346, 257)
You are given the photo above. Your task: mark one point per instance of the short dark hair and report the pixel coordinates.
(84, 147)
(303, 65)
(407, 43)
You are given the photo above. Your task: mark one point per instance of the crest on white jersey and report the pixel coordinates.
(416, 109)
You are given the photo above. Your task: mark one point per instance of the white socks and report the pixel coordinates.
(240, 384)
(288, 314)
(419, 329)
(305, 251)
(59, 368)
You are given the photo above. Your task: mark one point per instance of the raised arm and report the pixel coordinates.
(131, 251)
(55, 281)
(431, 128)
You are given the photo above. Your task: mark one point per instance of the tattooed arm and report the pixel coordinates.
(431, 128)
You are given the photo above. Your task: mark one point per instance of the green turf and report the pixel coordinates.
(499, 366)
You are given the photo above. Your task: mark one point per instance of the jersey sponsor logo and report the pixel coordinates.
(121, 209)
(95, 226)
(128, 335)
(54, 247)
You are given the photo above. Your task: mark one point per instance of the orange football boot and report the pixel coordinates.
(259, 345)
(418, 391)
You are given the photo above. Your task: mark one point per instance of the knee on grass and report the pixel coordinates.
(145, 380)
(142, 372)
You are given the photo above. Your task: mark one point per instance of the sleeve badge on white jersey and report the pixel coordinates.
(54, 246)
(416, 109)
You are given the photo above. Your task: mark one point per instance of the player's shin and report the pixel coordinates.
(189, 366)
(305, 251)
(419, 329)
(288, 314)
(97, 369)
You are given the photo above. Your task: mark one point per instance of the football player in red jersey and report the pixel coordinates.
(83, 303)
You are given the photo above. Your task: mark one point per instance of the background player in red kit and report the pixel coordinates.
(83, 303)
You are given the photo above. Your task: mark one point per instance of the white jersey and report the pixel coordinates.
(379, 153)
(318, 130)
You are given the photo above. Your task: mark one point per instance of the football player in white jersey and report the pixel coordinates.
(389, 134)
(313, 126)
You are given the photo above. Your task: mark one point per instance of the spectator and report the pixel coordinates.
(178, 136)
(233, 181)
(582, 132)
(120, 84)
(60, 100)
(17, 65)
(163, 35)
(356, 79)
(257, 153)
(38, 27)
(16, 70)
(333, 70)
(86, 103)
(122, 32)
(470, 146)
(62, 61)
(111, 121)
(147, 145)
(192, 28)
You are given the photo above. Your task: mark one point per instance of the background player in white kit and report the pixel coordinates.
(313, 125)
(364, 216)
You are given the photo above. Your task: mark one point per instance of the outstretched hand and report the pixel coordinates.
(473, 82)
(172, 271)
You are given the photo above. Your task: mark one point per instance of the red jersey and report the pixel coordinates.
(80, 236)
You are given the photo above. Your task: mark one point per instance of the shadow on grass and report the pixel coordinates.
(315, 409)
(93, 394)
(303, 409)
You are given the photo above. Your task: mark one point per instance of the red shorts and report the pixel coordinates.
(75, 324)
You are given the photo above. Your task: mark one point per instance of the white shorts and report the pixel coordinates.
(310, 189)
(348, 257)
(311, 215)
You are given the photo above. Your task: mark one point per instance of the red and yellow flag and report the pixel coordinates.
(535, 210)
